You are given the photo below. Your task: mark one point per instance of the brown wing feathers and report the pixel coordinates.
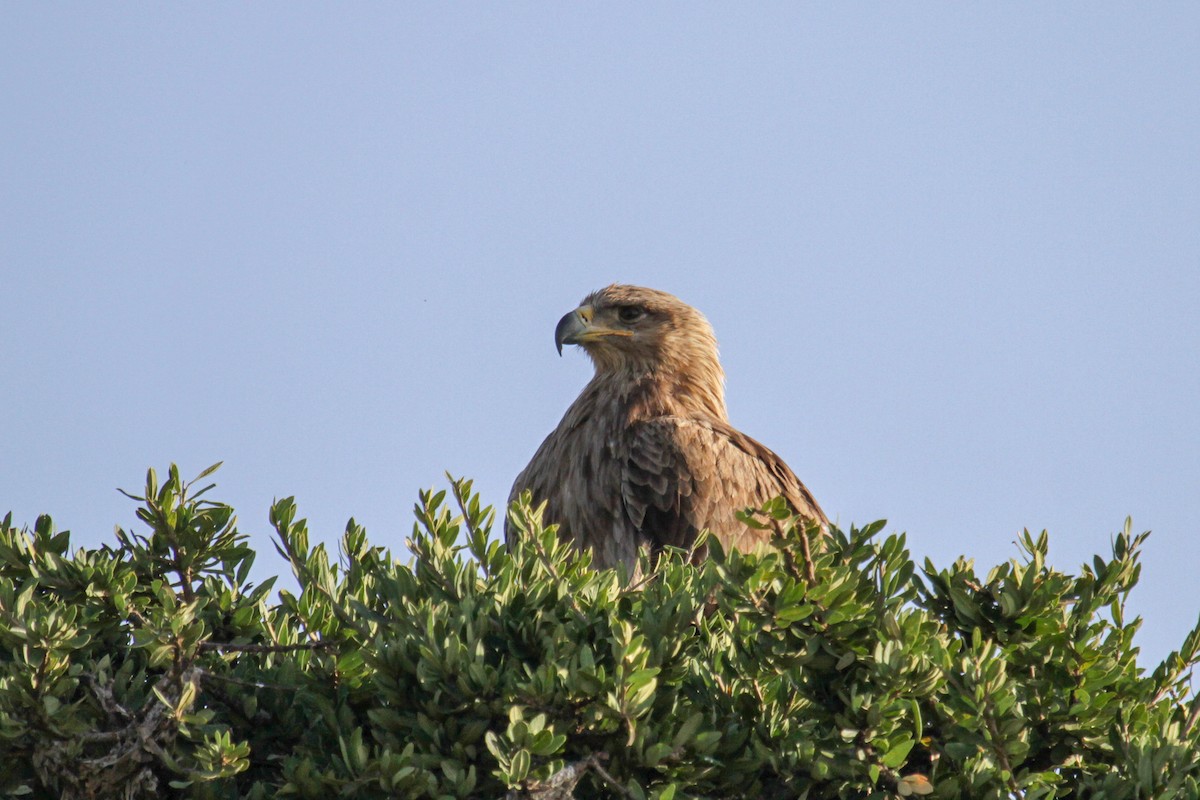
(657, 487)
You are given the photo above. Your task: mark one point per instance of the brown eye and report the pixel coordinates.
(630, 313)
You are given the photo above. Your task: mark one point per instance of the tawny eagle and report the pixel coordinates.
(646, 457)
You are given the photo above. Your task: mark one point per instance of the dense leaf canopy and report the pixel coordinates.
(154, 668)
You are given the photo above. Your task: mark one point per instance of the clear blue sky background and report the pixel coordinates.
(951, 252)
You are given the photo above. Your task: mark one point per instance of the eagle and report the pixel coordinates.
(645, 458)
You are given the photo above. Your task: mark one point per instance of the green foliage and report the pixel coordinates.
(156, 669)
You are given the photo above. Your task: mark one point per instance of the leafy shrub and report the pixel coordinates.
(154, 668)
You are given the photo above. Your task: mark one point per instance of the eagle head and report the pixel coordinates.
(632, 334)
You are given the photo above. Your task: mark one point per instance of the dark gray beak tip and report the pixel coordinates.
(565, 330)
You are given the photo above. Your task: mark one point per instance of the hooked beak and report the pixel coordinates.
(572, 327)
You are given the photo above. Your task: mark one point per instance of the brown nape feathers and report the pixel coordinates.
(645, 457)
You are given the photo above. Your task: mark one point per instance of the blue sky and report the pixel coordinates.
(951, 253)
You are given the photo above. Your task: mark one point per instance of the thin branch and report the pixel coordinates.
(1193, 716)
(549, 565)
(810, 571)
(229, 647)
(206, 675)
(998, 749)
(472, 530)
(595, 762)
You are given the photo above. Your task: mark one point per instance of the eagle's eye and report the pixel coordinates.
(630, 313)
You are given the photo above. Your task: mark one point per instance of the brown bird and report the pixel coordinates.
(646, 457)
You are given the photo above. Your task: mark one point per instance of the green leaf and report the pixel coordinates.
(687, 730)
(895, 757)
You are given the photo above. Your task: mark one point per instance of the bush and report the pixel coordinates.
(154, 668)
